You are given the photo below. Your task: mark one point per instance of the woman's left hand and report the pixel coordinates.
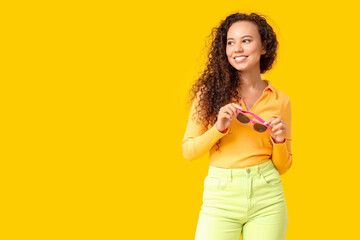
(277, 129)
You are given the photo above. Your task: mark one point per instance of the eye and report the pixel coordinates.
(247, 40)
(229, 43)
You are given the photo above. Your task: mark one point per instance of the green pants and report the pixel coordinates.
(246, 200)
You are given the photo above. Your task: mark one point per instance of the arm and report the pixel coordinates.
(196, 142)
(282, 154)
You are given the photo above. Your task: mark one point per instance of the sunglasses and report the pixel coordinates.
(242, 118)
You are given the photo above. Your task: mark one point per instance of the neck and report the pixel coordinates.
(251, 80)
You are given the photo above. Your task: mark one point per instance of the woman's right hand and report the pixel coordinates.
(226, 115)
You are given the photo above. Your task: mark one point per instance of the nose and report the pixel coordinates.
(238, 48)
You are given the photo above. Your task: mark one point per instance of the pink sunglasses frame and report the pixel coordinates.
(252, 121)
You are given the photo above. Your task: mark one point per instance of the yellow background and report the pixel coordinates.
(93, 111)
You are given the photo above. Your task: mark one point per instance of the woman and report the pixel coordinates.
(243, 191)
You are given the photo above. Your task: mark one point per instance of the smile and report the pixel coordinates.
(240, 59)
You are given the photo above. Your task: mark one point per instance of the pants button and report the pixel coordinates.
(248, 170)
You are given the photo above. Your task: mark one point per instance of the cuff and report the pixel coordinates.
(281, 143)
(214, 130)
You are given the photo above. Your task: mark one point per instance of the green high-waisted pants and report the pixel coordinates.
(246, 200)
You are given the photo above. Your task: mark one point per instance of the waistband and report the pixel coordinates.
(231, 172)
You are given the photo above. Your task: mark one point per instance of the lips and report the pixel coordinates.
(240, 56)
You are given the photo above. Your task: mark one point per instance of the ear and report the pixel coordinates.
(263, 51)
(263, 48)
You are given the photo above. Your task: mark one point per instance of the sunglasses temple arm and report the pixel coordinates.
(240, 99)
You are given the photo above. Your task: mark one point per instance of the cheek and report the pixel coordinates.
(229, 58)
(252, 50)
(227, 53)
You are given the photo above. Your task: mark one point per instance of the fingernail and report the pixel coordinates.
(236, 105)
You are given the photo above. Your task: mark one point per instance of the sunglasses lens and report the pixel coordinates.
(243, 118)
(259, 127)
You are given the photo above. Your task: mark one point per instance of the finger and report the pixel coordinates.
(275, 121)
(279, 132)
(237, 106)
(231, 110)
(268, 121)
(227, 115)
(278, 126)
(230, 114)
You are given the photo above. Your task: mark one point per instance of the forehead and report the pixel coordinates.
(242, 28)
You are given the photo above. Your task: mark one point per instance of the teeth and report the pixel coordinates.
(240, 58)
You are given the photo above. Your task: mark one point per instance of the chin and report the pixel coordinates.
(238, 66)
(241, 69)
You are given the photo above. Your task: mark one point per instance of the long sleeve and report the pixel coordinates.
(282, 154)
(196, 142)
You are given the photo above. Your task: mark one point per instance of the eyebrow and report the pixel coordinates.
(241, 37)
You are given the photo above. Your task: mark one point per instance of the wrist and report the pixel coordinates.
(277, 141)
(222, 131)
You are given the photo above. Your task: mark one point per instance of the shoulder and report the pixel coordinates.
(282, 97)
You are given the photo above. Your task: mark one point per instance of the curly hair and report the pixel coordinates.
(220, 81)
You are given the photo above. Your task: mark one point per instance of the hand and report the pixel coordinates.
(226, 115)
(277, 129)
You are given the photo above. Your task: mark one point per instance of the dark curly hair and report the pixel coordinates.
(219, 83)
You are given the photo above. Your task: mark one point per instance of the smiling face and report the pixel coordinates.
(243, 39)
